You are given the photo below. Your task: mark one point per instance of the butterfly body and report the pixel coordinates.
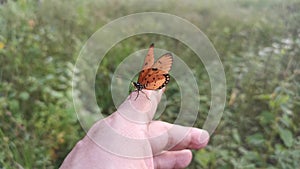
(138, 86)
(154, 76)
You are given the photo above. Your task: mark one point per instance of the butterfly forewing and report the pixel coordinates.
(149, 59)
(148, 62)
(164, 63)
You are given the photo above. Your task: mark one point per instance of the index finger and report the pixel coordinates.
(141, 107)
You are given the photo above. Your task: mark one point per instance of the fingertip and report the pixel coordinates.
(184, 158)
(146, 95)
(159, 93)
(203, 139)
(173, 159)
(140, 106)
(188, 157)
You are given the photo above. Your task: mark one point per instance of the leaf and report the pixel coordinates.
(286, 110)
(286, 136)
(253, 156)
(24, 95)
(266, 117)
(2, 45)
(255, 139)
(263, 97)
(236, 136)
(204, 158)
(286, 120)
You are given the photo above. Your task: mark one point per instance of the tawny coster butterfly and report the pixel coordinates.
(154, 76)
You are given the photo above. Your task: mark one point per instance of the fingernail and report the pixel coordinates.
(204, 138)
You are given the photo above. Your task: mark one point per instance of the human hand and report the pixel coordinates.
(130, 139)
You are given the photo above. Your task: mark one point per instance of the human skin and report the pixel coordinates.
(129, 138)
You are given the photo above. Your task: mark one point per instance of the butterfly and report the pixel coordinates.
(154, 76)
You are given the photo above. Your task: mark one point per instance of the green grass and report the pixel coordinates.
(258, 43)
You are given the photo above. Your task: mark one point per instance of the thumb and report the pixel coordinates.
(140, 106)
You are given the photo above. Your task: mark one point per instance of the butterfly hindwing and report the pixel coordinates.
(143, 76)
(156, 80)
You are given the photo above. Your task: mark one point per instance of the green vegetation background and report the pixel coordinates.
(258, 42)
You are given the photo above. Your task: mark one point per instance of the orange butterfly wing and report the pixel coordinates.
(148, 62)
(164, 63)
(149, 59)
(157, 76)
(155, 79)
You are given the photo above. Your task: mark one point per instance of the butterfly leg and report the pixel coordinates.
(145, 95)
(131, 94)
(138, 92)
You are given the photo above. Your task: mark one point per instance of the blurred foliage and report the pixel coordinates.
(258, 42)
